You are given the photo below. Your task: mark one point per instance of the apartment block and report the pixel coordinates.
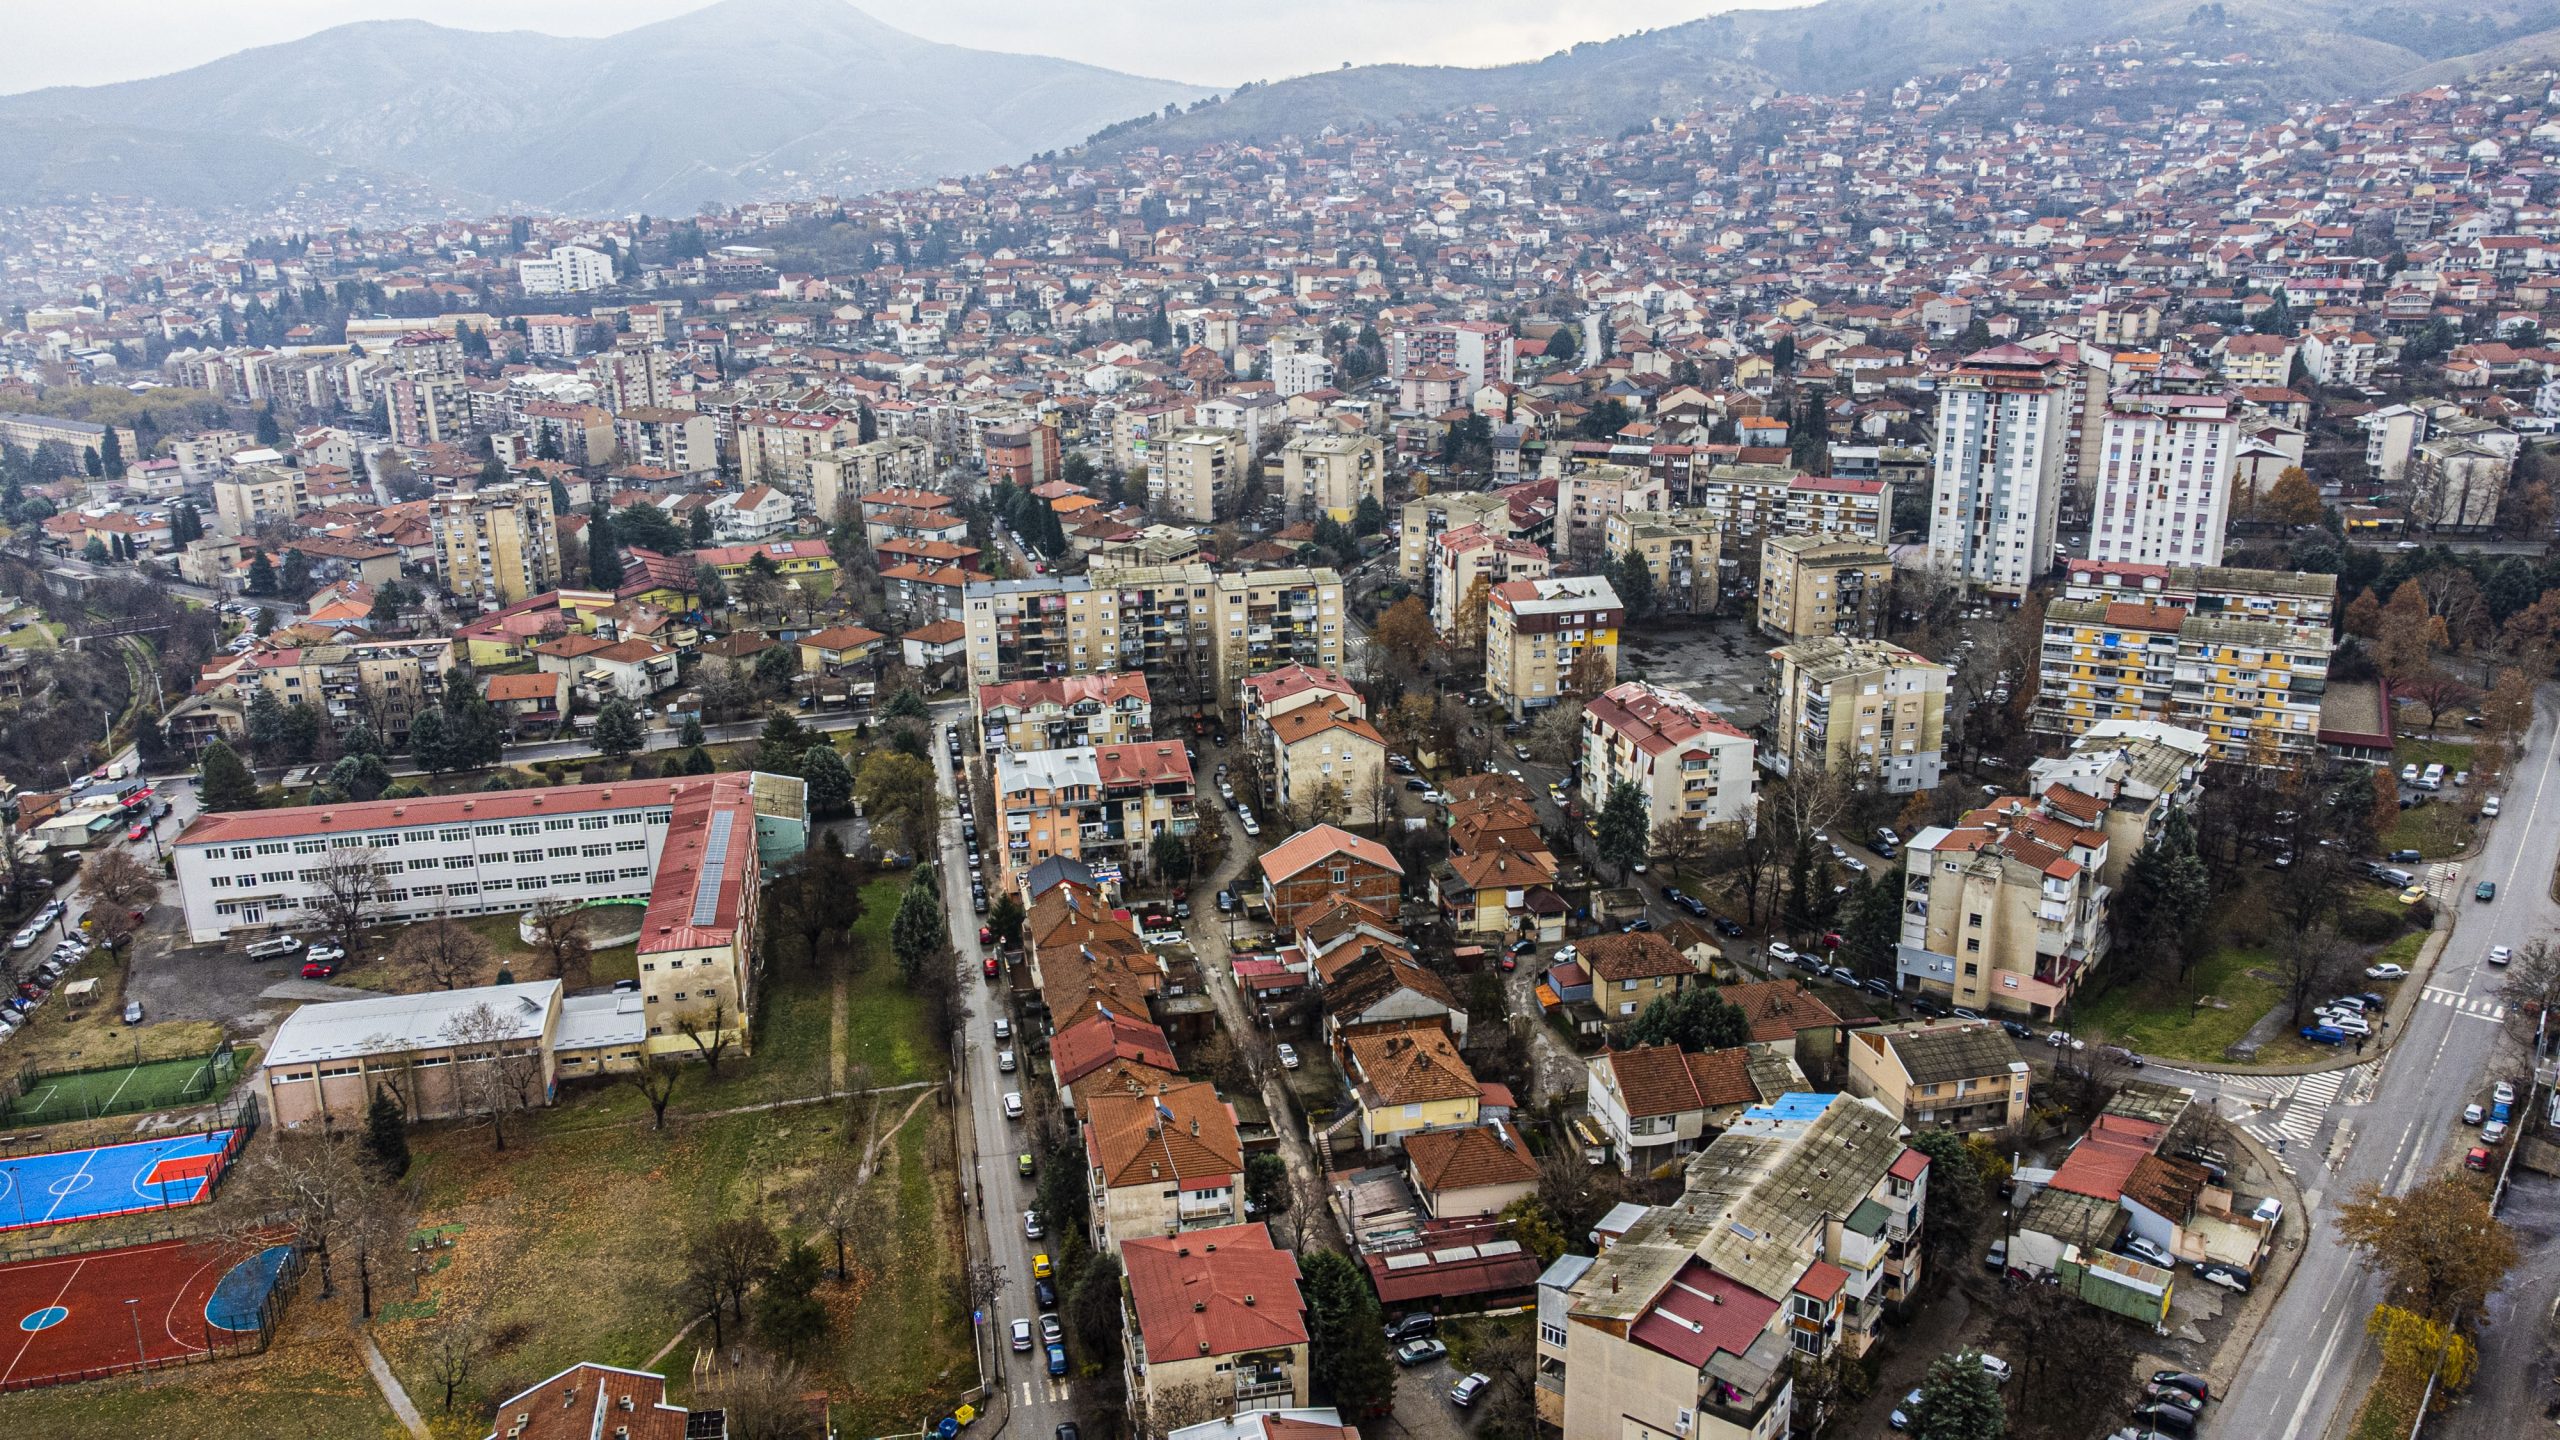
(2004, 911)
(1100, 804)
(1425, 518)
(1159, 620)
(1748, 503)
(1199, 472)
(775, 447)
(2165, 467)
(2128, 775)
(498, 544)
(1024, 456)
(685, 441)
(690, 851)
(1265, 619)
(250, 499)
(1480, 351)
(1960, 1076)
(2003, 429)
(381, 683)
(1797, 1231)
(1061, 714)
(893, 462)
(1867, 711)
(1852, 508)
(567, 270)
(1332, 474)
(1682, 549)
(1588, 499)
(1813, 585)
(631, 377)
(1691, 767)
(1215, 1327)
(1464, 559)
(1537, 632)
(2241, 656)
(429, 410)
(1161, 1162)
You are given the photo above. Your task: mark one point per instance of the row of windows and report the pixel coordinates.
(450, 836)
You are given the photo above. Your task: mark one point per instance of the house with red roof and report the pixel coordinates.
(1216, 1315)
(1161, 1161)
(1302, 871)
(1693, 767)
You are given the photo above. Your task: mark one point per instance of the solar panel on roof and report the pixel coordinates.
(715, 863)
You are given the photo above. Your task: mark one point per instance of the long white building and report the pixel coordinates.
(2165, 465)
(2003, 426)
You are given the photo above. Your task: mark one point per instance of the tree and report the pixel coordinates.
(2072, 1364)
(296, 580)
(1004, 919)
(1695, 1018)
(560, 940)
(604, 558)
(691, 736)
(709, 590)
(917, 932)
(323, 1185)
(1632, 579)
(386, 1134)
(2438, 1249)
(1266, 1183)
(1959, 1197)
(655, 1077)
(345, 887)
(1347, 1356)
(1535, 1228)
(1094, 1307)
(2409, 635)
(1623, 826)
(446, 952)
(454, 1341)
(2292, 500)
(429, 745)
(497, 1064)
(1594, 670)
(223, 782)
(2166, 891)
(1170, 857)
(1958, 1401)
(111, 455)
(709, 1030)
(262, 575)
(830, 782)
(1871, 925)
(95, 552)
(120, 881)
(186, 524)
(782, 742)
(618, 731)
(900, 789)
(1405, 634)
(730, 1257)
(787, 1308)
(359, 777)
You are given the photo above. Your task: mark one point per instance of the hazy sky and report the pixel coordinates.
(93, 41)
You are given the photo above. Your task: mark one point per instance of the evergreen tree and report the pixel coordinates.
(830, 782)
(223, 781)
(1694, 1018)
(604, 560)
(776, 665)
(1623, 826)
(618, 731)
(473, 731)
(111, 455)
(700, 525)
(1959, 1401)
(916, 932)
(788, 1310)
(386, 1136)
(186, 524)
(779, 747)
(1633, 580)
(296, 582)
(690, 737)
(698, 761)
(262, 575)
(427, 743)
(95, 552)
(268, 432)
(1347, 1356)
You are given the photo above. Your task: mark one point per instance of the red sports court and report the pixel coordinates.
(78, 1317)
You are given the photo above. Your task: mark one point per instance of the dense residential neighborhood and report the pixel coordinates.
(1843, 763)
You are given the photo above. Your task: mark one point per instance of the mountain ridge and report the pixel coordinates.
(809, 92)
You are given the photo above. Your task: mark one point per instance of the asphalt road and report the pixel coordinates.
(996, 1189)
(2313, 1361)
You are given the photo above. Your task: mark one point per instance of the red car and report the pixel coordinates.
(986, 935)
(2478, 1159)
(319, 969)
(137, 832)
(991, 967)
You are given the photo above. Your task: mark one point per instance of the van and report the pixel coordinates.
(2432, 778)
(2392, 875)
(274, 946)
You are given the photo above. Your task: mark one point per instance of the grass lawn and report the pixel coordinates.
(570, 1248)
(2385, 1416)
(2450, 753)
(311, 1384)
(885, 1038)
(39, 635)
(2436, 831)
(2171, 1026)
(60, 1038)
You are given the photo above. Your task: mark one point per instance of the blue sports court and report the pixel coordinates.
(63, 1185)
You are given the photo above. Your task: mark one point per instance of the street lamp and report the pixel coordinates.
(134, 1309)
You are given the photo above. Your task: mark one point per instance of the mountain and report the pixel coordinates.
(2324, 48)
(744, 98)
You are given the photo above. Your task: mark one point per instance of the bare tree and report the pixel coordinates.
(765, 1399)
(655, 1077)
(118, 879)
(345, 889)
(837, 1201)
(445, 951)
(454, 1341)
(732, 1255)
(710, 1031)
(560, 938)
(2308, 961)
(320, 1182)
(497, 1063)
(1173, 1407)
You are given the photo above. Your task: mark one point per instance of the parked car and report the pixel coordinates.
(2472, 1114)
(2324, 1035)
(1996, 1259)
(1013, 1104)
(2172, 1395)
(2485, 890)
(2168, 1419)
(2195, 1385)
(2387, 971)
(1003, 1028)
(2413, 894)
(2476, 1159)
(133, 1012)
(2018, 1029)
(2493, 1132)
(1464, 1393)
(1005, 1061)
(1057, 1360)
(1996, 1368)
(1021, 1334)
(319, 969)
(2229, 1277)
(1906, 1414)
(1288, 1054)
(1780, 950)
(1415, 1326)
(2150, 1252)
(1419, 1352)
(2065, 1040)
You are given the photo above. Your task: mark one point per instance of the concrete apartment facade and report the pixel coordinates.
(2003, 428)
(1198, 472)
(2004, 911)
(1332, 474)
(1691, 767)
(1868, 711)
(497, 545)
(1812, 585)
(1682, 549)
(1538, 631)
(2165, 471)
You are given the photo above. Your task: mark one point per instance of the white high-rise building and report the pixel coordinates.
(2164, 469)
(568, 270)
(2003, 423)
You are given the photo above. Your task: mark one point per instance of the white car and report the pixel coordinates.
(1013, 1104)
(2061, 1040)
(1780, 950)
(2502, 1093)
(1031, 1224)
(1564, 953)
(1854, 863)
(2489, 807)
(1005, 1061)
(2501, 954)
(1288, 1056)
(1996, 1368)
(1004, 1028)
(2493, 1132)
(1021, 1334)
(2386, 971)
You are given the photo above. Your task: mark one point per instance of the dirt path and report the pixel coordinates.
(839, 1022)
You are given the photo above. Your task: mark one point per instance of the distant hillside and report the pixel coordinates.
(741, 99)
(2326, 48)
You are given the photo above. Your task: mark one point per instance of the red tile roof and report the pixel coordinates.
(1214, 1292)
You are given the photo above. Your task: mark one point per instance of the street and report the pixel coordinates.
(2312, 1359)
(995, 1188)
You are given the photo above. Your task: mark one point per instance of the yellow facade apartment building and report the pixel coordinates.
(1867, 711)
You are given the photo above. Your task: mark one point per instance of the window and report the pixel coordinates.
(309, 847)
(1973, 947)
